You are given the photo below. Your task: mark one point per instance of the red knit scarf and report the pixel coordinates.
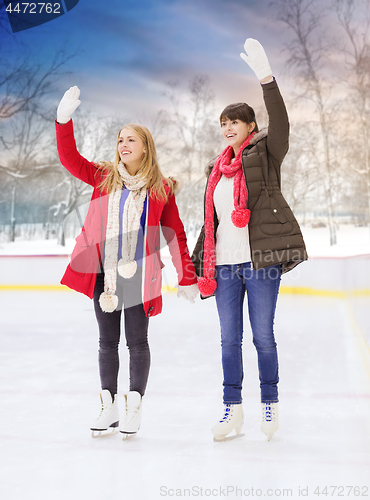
(240, 215)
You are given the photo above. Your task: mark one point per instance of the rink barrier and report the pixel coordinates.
(35, 288)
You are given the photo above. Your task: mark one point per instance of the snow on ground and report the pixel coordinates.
(352, 240)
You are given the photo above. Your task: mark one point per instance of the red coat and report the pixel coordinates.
(81, 273)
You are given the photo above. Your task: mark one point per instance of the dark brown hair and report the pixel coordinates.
(239, 111)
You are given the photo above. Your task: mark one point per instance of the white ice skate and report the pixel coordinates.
(270, 419)
(233, 419)
(107, 422)
(133, 415)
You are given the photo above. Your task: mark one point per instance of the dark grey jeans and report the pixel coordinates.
(136, 332)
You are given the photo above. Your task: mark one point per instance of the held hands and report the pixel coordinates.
(189, 292)
(68, 104)
(257, 59)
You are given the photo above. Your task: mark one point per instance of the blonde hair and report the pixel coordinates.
(149, 169)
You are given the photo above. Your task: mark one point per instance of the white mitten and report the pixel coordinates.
(256, 58)
(68, 104)
(189, 292)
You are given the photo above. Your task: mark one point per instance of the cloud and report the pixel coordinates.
(145, 45)
(128, 51)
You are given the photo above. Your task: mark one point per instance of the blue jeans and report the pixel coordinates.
(262, 287)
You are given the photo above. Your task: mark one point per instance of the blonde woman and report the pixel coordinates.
(116, 260)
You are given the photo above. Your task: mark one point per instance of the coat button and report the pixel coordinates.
(151, 308)
(154, 279)
(275, 210)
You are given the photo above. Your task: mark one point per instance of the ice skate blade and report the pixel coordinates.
(269, 436)
(95, 434)
(219, 439)
(126, 436)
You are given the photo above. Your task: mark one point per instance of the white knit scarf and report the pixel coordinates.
(130, 228)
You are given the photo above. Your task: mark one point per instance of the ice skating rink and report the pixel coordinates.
(50, 393)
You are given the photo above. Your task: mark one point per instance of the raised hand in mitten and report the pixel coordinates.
(256, 58)
(68, 104)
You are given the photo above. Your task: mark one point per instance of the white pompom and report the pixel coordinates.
(108, 302)
(128, 269)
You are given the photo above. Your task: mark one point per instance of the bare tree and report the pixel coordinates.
(308, 56)
(301, 176)
(195, 139)
(96, 139)
(28, 143)
(26, 86)
(354, 18)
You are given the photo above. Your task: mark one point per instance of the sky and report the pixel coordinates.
(127, 51)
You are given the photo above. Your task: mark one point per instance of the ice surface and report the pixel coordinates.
(50, 393)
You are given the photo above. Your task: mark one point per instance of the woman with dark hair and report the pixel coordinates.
(116, 260)
(249, 238)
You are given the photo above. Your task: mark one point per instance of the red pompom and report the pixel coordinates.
(207, 286)
(240, 217)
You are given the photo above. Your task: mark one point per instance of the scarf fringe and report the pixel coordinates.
(240, 217)
(126, 269)
(207, 286)
(108, 302)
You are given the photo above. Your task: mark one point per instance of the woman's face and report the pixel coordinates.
(235, 132)
(131, 149)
